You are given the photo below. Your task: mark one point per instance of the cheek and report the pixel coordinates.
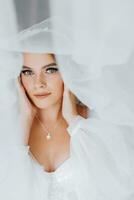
(57, 87)
(28, 85)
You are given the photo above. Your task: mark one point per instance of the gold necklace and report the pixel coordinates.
(49, 135)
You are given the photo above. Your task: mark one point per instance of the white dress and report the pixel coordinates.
(101, 163)
(95, 169)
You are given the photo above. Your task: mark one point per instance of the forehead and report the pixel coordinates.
(38, 60)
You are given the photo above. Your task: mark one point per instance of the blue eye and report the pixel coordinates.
(51, 70)
(27, 72)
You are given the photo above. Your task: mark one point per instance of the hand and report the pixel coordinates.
(69, 107)
(27, 110)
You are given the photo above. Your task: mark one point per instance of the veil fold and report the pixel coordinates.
(95, 55)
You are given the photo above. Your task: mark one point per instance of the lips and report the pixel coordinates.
(42, 95)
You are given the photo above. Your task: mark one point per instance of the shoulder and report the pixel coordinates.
(78, 123)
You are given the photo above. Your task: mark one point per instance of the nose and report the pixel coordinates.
(40, 81)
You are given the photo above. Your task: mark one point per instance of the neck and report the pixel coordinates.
(50, 114)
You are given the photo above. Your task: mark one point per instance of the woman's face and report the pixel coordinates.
(41, 79)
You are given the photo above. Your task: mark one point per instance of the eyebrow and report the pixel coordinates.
(48, 65)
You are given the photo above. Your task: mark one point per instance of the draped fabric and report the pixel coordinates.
(93, 43)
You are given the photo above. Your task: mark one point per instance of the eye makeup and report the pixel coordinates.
(49, 69)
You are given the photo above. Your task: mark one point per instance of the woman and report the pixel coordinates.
(50, 114)
(64, 155)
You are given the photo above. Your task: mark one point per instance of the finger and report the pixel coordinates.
(20, 83)
(20, 88)
(65, 87)
(66, 90)
(26, 97)
(69, 93)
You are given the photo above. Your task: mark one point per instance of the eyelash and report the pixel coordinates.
(24, 72)
(50, 68)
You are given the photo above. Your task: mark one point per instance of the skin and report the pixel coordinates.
(58, 107)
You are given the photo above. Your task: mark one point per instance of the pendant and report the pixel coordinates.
(48, 136)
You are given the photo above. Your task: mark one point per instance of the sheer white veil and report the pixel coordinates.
(94, 46)
(97, 46)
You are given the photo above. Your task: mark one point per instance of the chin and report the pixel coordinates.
(42, 105)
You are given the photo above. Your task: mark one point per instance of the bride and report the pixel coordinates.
(67, 152)
(50, 108)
